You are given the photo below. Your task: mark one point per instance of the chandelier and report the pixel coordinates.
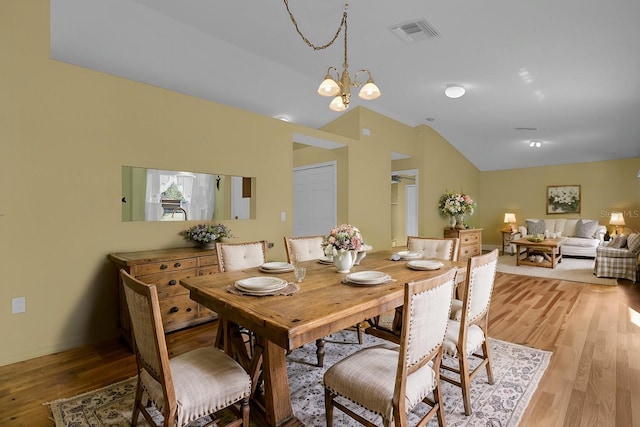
(335, 84)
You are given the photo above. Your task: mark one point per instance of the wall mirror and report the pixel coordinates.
(167, 195)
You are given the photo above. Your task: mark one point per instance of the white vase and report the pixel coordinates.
(452, 222)
(343, 261)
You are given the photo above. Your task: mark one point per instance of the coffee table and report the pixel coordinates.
(549, 249)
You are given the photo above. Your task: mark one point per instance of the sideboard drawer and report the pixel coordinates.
(169, 283)
(165, 266)
(470, 241)
(467, 252)
(178, 310)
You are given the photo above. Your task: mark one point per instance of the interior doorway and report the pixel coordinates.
(404, 205)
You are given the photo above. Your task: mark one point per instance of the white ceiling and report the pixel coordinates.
(569, 68)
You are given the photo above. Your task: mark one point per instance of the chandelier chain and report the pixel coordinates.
(343, 23)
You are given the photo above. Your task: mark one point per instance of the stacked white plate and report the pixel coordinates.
(326, 260)
(367, 278)
(424, 264)
(409, 255)
(276, 267)
(260, 285)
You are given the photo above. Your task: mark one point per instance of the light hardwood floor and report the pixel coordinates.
(593, 378)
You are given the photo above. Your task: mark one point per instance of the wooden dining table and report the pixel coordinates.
(323, 305)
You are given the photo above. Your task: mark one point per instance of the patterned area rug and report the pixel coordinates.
(571, 269)
(517, 371)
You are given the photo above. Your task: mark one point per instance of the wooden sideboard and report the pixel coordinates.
(165, 268)
(470, 241)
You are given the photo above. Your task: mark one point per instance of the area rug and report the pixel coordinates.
(516, 369)
(571, 269)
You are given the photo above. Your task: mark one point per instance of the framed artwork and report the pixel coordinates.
(563, 199)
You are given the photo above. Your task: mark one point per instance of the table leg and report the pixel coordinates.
(277, 410)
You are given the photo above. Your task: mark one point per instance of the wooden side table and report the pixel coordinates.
(508, 236)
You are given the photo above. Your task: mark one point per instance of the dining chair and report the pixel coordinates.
(468, 335)
(391, 380)
(388, 325)
(307, 248)
(237, 256)
(430, 247)
(233, 257)
(186, 387)
(303, 248)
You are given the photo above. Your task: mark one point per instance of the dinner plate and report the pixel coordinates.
(368, 277)
(272, 271)
(427, 264)
(325, 260)
(260, 283)
(409, 255)
(276, 265)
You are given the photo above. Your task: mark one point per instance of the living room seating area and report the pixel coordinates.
(583, 235)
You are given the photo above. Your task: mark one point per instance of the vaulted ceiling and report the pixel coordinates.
(566, 73)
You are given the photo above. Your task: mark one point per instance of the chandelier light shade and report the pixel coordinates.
(338, 85)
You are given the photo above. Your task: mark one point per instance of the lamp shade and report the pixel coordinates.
(616, 218)
(509, 218)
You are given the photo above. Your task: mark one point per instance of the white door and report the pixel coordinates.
(314, 199)
(240, 206)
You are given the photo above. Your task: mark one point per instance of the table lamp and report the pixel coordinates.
(510, 219)
(617, 219)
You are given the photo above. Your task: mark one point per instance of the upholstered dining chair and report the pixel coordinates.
(445, 248)
(303, 248)
(429, 247)
(467, 329)
(307, 248)
(186, 387)
(236, 256)
(390, 380)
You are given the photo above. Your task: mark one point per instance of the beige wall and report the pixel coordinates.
(66, 132)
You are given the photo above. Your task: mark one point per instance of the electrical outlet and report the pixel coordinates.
(18, 305)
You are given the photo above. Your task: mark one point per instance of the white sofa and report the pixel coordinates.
(583, 246)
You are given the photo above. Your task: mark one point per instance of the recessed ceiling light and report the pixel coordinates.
(535, 144)
(282, 118)
(454, 91)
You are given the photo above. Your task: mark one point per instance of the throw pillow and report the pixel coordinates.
(535, 227)
(633, 242)
(586, 229)
(618, 242)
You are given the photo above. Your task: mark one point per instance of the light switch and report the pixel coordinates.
(18, 305)
(283, 216)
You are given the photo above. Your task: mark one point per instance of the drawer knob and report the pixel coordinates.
(173, 310)
(189, 310)
(177, 265)
(163, 266)
(172, 282)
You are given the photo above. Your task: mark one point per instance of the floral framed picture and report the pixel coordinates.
(563, 199)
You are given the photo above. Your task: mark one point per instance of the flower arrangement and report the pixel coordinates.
(453, 204)
(343, 238)
(206, 233)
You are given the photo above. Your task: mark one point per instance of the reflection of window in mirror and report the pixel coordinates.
(165, 195)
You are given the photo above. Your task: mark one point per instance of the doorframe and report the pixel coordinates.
(414, 173)
(334, 165)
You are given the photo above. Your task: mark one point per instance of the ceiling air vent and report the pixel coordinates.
(413, 31)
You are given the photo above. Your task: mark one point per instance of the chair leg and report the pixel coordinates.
(465, 383)
(485, 349)
(437, 400)
(359, 332)
(244, 406)
(136, 405)
(328, 407)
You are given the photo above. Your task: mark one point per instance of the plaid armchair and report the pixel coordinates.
(619, 262)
